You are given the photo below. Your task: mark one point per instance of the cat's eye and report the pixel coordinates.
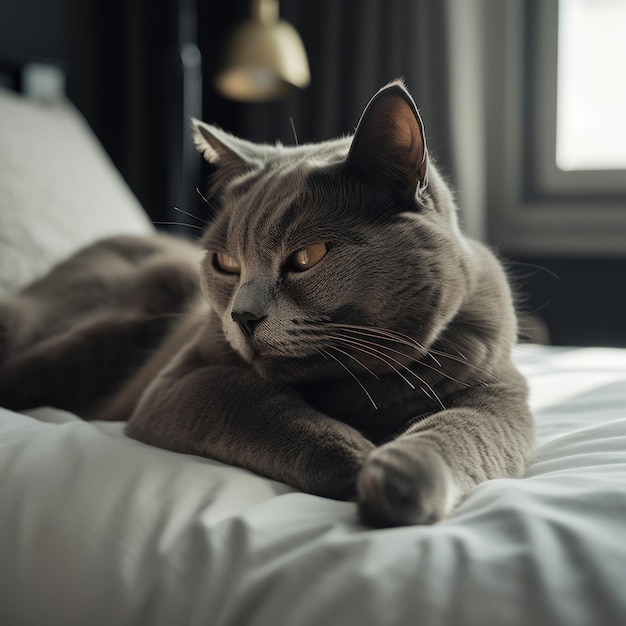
(227, 263)
(305, 258)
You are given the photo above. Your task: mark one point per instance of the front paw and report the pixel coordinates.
(337, 465)
(402, 485)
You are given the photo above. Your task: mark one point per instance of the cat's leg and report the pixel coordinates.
(231, 415)
(5, 315)
(420, 476)
(16, 323)
(75, 368)
(74, 336)
(120, 406)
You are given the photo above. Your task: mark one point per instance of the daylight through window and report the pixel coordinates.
(591, 100)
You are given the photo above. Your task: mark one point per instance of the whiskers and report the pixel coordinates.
(174, 223)
(201, 223)
(194, 217)
(186, 224)
(357, 349)
(327, 354)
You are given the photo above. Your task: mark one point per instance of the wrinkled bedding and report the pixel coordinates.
(96, 528)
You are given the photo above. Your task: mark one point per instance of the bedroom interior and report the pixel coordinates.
(95, 100)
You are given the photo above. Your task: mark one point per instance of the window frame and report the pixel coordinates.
(533, 206)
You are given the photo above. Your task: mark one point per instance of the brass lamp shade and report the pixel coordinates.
(264, 57)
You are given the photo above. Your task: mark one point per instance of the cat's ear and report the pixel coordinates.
(221, 148)
(389, 143)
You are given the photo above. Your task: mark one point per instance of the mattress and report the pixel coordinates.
(99, 529)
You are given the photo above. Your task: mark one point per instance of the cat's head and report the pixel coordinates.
(320, 253)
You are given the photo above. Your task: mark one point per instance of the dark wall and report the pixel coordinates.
(32, 29)
(581, 300)
(125, 75)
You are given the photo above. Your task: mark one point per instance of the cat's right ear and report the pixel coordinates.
(389, 145)
(221, 148)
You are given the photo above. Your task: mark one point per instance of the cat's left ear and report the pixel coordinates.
(221, 148)
(389, 143)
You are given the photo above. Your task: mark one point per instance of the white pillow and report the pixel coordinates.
(58, 188)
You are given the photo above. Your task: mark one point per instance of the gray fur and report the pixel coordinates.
(383, 372)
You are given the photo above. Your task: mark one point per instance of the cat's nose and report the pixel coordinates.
(247, 321)
(251, 305)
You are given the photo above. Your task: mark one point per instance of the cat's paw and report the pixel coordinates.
(398, 486)
(337, 466)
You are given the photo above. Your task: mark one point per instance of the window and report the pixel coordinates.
(591, 85)
(556, 96)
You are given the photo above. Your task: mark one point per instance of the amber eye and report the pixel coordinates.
(306, 258)
(227, 263)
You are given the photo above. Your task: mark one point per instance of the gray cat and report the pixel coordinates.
(356, 345)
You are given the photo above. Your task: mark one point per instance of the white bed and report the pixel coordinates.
(98, 529)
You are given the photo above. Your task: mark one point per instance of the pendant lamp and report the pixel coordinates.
(263, 58)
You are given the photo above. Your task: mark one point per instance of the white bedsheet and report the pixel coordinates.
(96, 529)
